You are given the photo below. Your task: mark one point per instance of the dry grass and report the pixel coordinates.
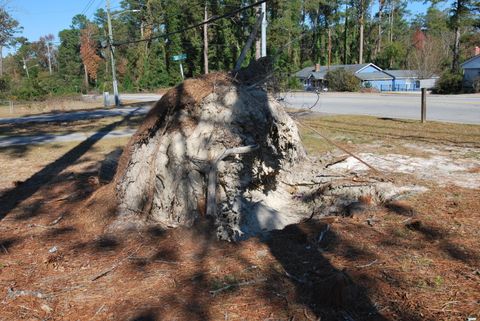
(388, 134)
(58, 128)
(50, 105)
(20, 162)
(53, 105)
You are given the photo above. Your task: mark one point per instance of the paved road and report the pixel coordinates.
(458, 109)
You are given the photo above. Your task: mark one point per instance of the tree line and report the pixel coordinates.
(300, 33)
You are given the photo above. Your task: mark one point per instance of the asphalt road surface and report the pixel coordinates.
(458, 108)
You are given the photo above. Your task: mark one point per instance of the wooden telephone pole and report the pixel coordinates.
(205, 41)
(114, 72)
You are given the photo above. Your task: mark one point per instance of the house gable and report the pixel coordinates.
(472, 63)
(369, 68)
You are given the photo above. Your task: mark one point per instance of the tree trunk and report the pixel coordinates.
(86, 77)
(380, 12)
(459, 8)
(360, 50)
(1, 61)
(456, 50)
(25, 67)
(49, 59)
(392, 12)
(329, 47)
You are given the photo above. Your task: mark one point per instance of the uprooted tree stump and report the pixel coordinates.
(205, 148)
(216, 146)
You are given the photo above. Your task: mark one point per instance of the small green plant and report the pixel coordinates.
(438, 281)
(422, 261)
(400, 232)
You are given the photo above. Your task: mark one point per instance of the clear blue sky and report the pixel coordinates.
(42, 17)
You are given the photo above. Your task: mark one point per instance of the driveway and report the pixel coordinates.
(458, 109)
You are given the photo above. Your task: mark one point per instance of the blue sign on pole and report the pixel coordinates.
(179, 57)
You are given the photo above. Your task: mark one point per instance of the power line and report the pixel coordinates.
(89, 4)
(212, 19)
(100, 3)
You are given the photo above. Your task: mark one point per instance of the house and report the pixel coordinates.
(409, 80)
(471, 71)
(404, 80)
(369, 74)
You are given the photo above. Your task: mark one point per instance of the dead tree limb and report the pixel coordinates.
(226, 287)
(115, 266)
(337, 145)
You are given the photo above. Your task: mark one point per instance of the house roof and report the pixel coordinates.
(378, 75)
(309, 72)
(402, 73)
(472, 63)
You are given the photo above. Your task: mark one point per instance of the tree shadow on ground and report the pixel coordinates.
(11, 198)
(427, 232)
(328, 292)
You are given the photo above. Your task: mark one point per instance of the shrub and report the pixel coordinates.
(294, 83)
(29, 89)
(5, 86)
(448, 83)
(342, 80)
(476, 85)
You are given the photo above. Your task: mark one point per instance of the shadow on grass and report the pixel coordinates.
(11, 198)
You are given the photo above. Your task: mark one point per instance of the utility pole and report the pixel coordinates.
(258, 42)
(362, 14)
(181, 70)
(345, 35)
(110, 42)
(423, 114)
(205, 41)
(329, 47)
(264, 29)
(250, 39)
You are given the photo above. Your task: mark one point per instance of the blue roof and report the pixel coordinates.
(472, 63)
